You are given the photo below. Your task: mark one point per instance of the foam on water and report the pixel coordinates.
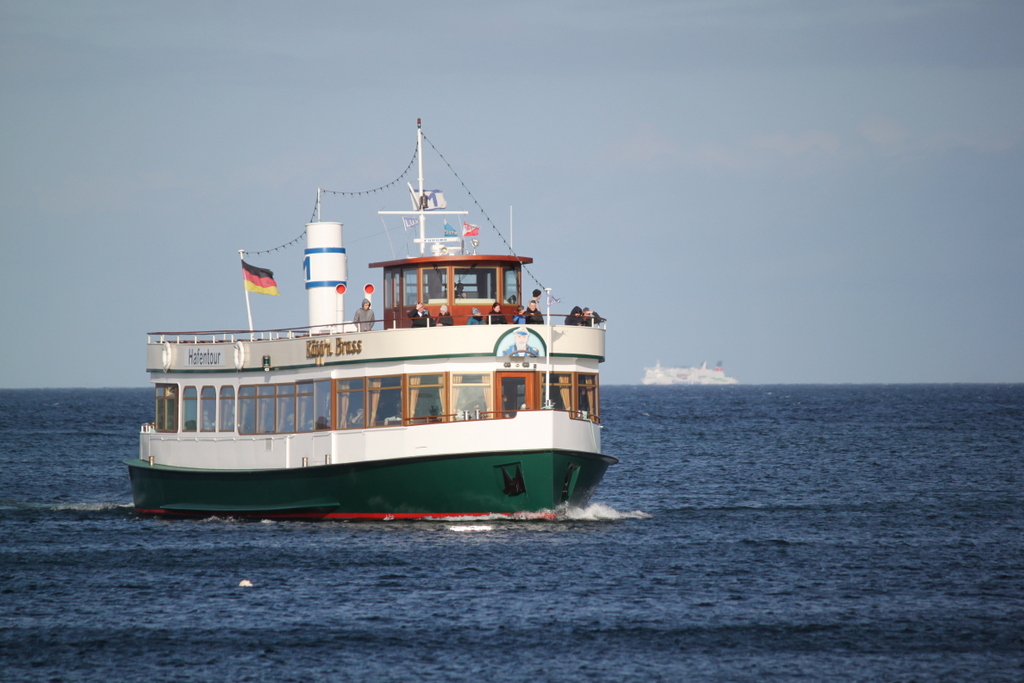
(599, 512)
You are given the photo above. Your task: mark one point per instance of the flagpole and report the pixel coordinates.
(547, 372)
(248, 308)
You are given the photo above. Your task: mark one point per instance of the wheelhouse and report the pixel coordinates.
(460, 281)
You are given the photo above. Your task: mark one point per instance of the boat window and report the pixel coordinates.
(409, 279)
(561, 391)
(471, 395)
(247, 409)
(304, 408)
(351, 404)
(188, 410)
(285, 409)
(166, 407)
(511, 293)
(435, 285)
(476, 285)
(385, 399)
(322, 405)
(426, 398)
(586, 395)
(208, 409)
(227, 409)
(265, 409)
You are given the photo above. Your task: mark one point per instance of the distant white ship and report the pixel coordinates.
(701, 375)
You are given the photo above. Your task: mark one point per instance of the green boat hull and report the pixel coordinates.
(504, 483)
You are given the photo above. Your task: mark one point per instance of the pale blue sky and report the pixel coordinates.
(811, 192)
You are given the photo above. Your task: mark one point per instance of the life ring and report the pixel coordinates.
(167, 355)
(239, 355)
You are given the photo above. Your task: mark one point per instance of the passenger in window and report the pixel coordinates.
(476, 318)
(444, 318)
(364, 317)
(420, 315)
(575, 316)
(496, 317)
(520, 317)
(533, 314)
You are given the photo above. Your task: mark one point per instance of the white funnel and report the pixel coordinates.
(326, 268)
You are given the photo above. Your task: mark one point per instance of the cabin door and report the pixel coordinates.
(517, 391)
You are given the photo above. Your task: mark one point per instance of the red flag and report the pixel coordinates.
(469, 230)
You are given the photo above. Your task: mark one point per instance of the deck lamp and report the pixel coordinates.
(266, 363)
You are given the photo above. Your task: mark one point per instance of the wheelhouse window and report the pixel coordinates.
(227, 409)
(166, 408)
(390, 283)
(411, 289)
(471, 395)
(208, 409)
(435, 285)
(426, 398)
(385, 398)
(511, 291)
(351, 404)
(476, 285)
(188, 410)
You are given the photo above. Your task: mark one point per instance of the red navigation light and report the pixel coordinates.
(340, 289)
(368, 289)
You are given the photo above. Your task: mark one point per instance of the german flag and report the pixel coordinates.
(259, 280)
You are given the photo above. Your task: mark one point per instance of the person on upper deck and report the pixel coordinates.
(533, 314)
(444, 318)
(496, 317)
(520, 317)
(364, 317)
(575, 316)
(420, 316)
(588, 318)
(476, 318)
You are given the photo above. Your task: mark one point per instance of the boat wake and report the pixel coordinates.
(598, 512)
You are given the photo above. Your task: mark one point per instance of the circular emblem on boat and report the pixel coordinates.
(166, 356)
(368, 289)
(340, 289)
(239, 355)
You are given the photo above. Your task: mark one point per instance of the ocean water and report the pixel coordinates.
(749, 533)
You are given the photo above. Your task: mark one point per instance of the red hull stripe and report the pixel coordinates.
(346, 515)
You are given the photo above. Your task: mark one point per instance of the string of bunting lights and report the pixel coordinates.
(486, 217)
(312, 218)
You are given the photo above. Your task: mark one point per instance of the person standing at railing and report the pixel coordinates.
(476, 318)
(444, 318)
(520, 317)
(575, 316)
(364, 317)
(420, 316)
(533, 314)
(496, 317)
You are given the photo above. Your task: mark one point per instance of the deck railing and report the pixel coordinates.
(232, 336)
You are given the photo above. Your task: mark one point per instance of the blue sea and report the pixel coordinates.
(749, 533)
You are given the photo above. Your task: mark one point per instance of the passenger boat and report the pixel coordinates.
(394, 421)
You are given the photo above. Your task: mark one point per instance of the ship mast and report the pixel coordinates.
(421, 209)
